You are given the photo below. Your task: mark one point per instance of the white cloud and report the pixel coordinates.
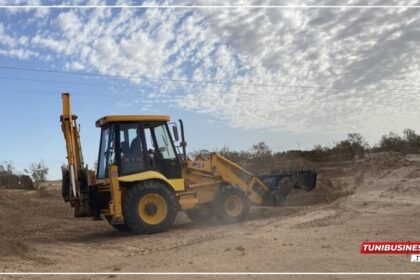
(19, 53)
(320, 48)
(37, 12)
(9, 40)
(74, 65)
(49, 43)
(14, 46)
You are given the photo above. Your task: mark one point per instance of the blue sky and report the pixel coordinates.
(290, 77)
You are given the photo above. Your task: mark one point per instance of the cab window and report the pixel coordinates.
(163, 141)
(132, 149)
(106, 151)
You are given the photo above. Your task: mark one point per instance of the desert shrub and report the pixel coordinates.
(391, 142)
(412, 140)
(8, 167)
(354, 145)
(235, 156)
(38, 172)
(260, 150)
(260, 156)
(409, 143)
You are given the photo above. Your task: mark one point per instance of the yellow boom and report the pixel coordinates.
(74, 150)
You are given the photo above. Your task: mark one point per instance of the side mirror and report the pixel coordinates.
(175, 133)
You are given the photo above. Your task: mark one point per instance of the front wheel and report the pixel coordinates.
(149, 207)
(230, 205)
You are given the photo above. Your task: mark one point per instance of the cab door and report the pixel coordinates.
(132, 151)
(165, 156)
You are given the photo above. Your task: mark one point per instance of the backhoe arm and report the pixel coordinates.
(74, 150)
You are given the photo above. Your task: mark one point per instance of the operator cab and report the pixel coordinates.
(138, 144)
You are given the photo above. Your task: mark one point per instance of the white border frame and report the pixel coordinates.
(205, 7)
(209, 273)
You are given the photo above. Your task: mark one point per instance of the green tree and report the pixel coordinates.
(413, 140)
(8, 167)
(318, 153)
(354, 144)
(38, 172)
(357, 140)
(260, 149)
(391, 142)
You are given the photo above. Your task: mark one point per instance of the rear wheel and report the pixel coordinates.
(202, 213)
(231, 205)
(149, 207)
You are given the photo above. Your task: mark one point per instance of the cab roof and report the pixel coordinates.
(131, 118)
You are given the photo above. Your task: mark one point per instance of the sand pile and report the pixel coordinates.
(342, 178)
(381, 164)
(29, 214)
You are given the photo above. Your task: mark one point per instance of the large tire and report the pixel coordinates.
(230, 205)
(149, 207)
(202, 213)
(120, 227)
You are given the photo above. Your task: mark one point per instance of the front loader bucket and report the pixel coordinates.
(307, 180)
(281, 184)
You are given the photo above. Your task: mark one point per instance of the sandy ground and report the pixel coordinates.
(375, 199)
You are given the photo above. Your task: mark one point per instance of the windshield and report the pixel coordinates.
(164, 143)
(106, 151)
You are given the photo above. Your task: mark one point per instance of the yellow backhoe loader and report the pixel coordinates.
(143, 176)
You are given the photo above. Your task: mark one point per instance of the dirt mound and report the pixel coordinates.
(414, 174)
(273, 166)
(28, 214)
(342, 178)
(326, 190)
(18, 207)
(380, 164)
